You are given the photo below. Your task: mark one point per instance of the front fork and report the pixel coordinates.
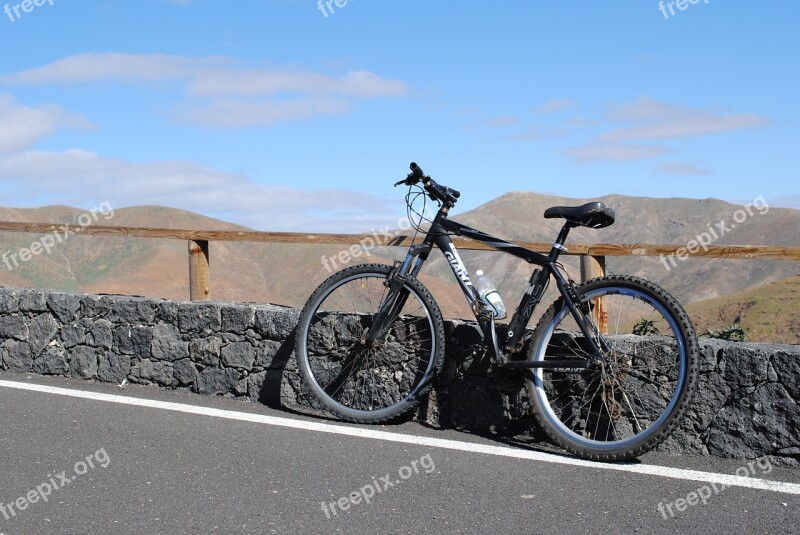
(396, 298)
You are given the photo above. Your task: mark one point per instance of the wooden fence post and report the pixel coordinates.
(592, 267)
(199, 286)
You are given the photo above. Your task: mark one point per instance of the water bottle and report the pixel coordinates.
(489, 295)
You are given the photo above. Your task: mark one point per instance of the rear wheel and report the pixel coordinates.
(360, 380)
(633, 400)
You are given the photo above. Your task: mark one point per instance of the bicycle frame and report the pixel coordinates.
(439, 235)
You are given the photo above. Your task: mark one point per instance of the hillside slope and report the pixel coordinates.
(766, 313)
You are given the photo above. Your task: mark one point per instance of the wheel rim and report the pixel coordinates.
(361, 380)
(608, 402)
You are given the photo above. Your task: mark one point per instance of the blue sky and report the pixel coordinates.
(274, 115)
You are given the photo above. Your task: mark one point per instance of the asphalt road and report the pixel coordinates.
(226, 466)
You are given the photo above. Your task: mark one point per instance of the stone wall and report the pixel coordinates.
(746, 405)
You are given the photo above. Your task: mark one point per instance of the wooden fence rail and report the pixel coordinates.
(592, 255)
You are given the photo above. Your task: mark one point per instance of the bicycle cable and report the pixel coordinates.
(565, 270)
(411, 198)
(416, 222)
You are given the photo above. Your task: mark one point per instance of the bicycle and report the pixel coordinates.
(610, 369)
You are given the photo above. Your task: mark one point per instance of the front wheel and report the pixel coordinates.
(354, 375)
(634, 394)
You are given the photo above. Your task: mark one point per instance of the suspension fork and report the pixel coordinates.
(398, 295)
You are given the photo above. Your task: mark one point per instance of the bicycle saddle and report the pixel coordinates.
(593, 214)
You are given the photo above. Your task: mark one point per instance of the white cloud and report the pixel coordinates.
(118, 67)
(555, 105)
(497, 121)
(533, 132)
(616, 153)
(248, 83)
(84, 179)
(538, 131)
(218, 85)
(655, 120)
(646, 120)
(503, 120)
(22, 126)
(681, 169)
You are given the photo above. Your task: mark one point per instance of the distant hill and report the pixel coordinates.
(287, 273)
(766, 313)
(159, 267)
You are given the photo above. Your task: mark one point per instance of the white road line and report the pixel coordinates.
(652, 470)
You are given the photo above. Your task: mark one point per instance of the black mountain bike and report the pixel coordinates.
(610, 368)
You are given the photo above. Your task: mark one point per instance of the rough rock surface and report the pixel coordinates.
(746, 405)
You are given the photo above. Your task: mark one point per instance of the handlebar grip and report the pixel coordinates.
(416, 171)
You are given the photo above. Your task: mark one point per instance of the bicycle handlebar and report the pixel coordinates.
(437, 192)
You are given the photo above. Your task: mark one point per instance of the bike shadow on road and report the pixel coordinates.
(466, 401)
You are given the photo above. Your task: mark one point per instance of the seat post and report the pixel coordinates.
(558, 245)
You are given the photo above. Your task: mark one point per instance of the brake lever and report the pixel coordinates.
(415, 176)
(410, 180)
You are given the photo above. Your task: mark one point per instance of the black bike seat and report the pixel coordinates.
(593, 214)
